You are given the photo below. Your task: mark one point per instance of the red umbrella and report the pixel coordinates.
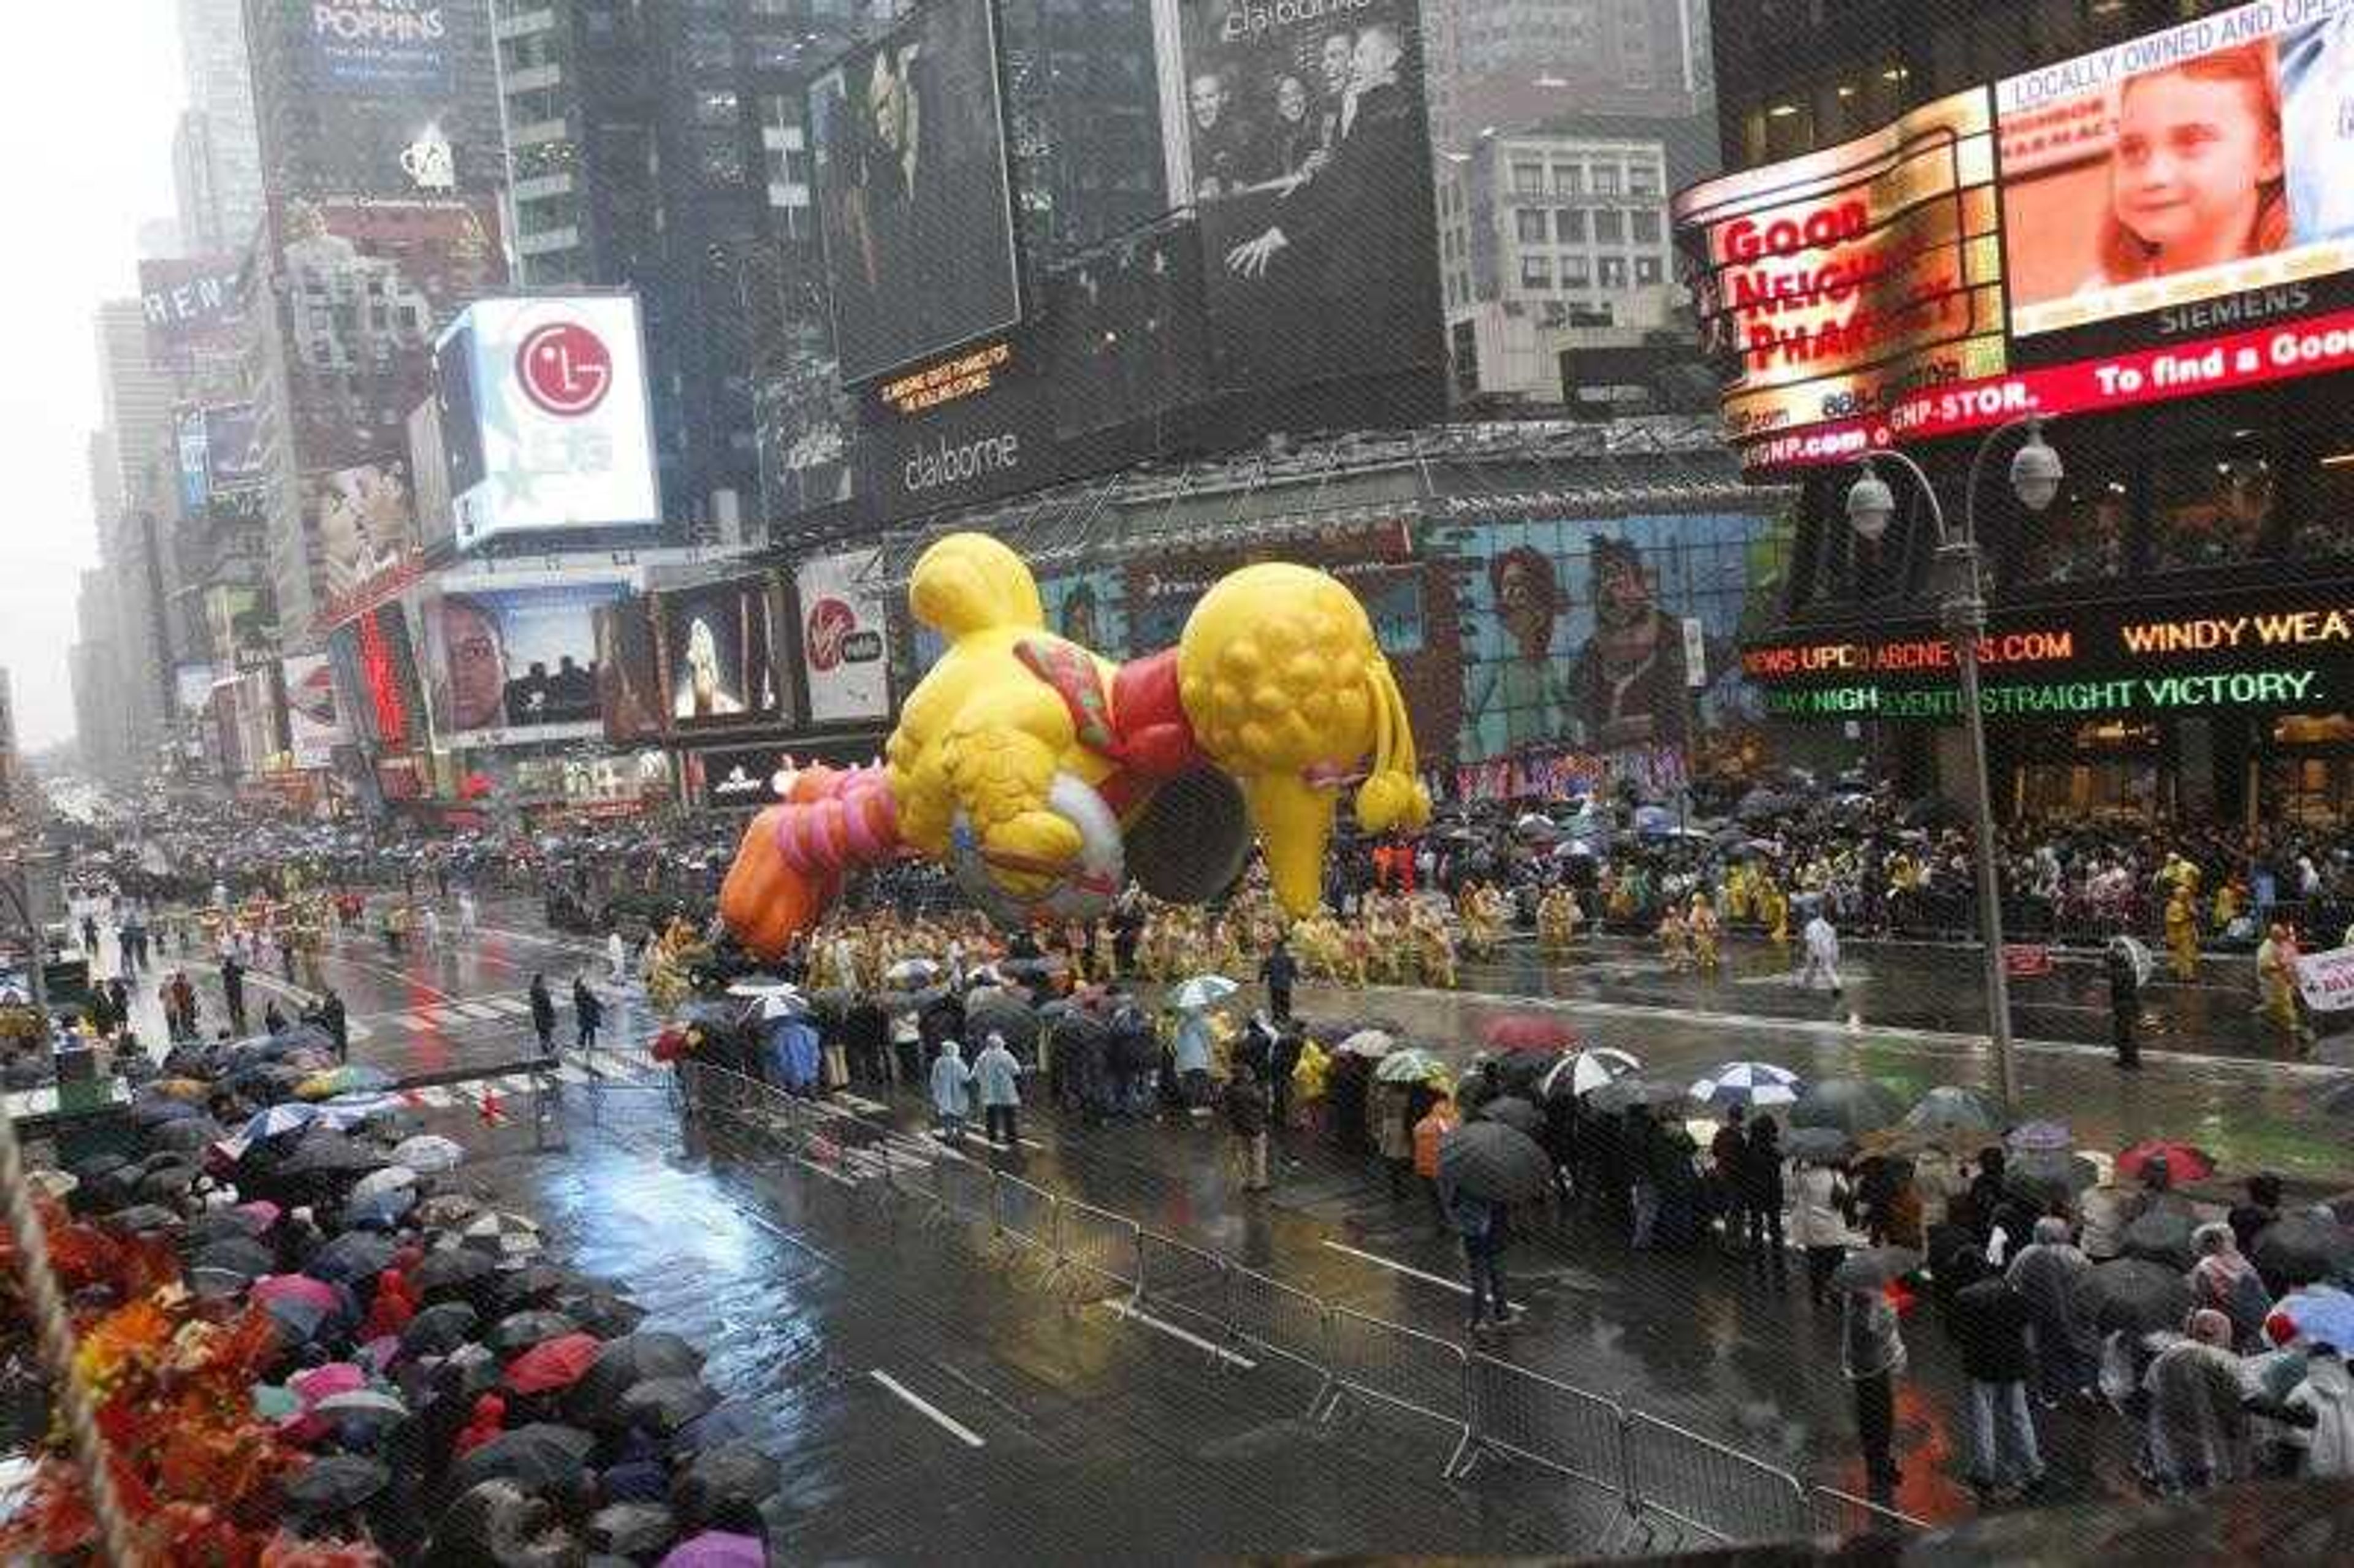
(298, 1288)
(1529, 1032)
(553, 1364)
(2184, 1161)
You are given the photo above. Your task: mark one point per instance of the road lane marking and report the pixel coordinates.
(923, 1406)
(1137, 1314)
(1391, 1264)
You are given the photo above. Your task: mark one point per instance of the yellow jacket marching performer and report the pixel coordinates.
(1774, 912)
(2277, 986)
(1703, 925)
(2182, 934)
(1434, 946)
(1673, 945)
(1557, 918)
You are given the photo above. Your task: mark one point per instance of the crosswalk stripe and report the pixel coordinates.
(477, 1010)
(421, 1023)
(571, 1074)
(512, 1006)
(433, 1095)
(516, 1083)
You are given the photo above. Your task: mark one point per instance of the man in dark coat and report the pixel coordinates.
(588, 1013)
(232, 975)
(543, 1015)
(2125, 1003)
(1989, 1321)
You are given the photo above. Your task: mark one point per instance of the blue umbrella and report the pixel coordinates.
(2323, 1314)
(792, 1051)
(1752, 1083)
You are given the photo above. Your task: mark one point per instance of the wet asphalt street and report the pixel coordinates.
(930, 1408)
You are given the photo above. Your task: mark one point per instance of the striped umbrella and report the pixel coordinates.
(1754, 1085)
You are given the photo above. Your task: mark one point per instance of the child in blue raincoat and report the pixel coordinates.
(951, 1085)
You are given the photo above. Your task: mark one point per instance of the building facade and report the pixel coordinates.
(2167, 637)
(1497, 63)
(215, 156)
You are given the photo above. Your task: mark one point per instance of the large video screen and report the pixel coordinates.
(717, 639)
(560, 434)
(516, 658)
(629, 678)
(915, 194)
(2179, 168)
(1304, 142)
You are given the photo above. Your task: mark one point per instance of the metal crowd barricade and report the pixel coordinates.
(1400, 1367)
(1846, 1515)
(965, 1191)
(1105, 1248)
(1277, 1320)
(1184, 1285)
(1028, 1220)
(1703, 1485)
(1530, 1417)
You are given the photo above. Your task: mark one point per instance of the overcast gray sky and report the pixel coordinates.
(87, 102)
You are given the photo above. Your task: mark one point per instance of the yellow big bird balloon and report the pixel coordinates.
(1024, 762)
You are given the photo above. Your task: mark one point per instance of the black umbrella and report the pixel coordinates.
(185, 1135)
(218, 1225)
(1000, 1013)
(141, 1217)
(439, 1330)
(537, 1458)
(335, 1483)
(237, 1255)
(325, 1153)
(2135, 1294)
(1820, 1144)
(155, 1110)
(1492, 1160)
(2162, 1237)
(533, 1285)
(1625, 1094)
(1852, 1105)
(633, 1530)
(631, 1360)
(500, 1522)
(165, 1183)
(2049, 1177)
(1513, 1112)
(666, 1403)
(353, 1256)
(1518, 1072)
(598, 1310)
(519, 1331)
(451, 1271)
(734, 1477)
(2303, 1249)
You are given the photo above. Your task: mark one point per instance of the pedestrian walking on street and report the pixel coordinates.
(1728, 1154)
(337, 1023)
(1872, 1353)
(617, 956)
(271, 1019)
(951, 1083)
(89, 936)
(588, 1013)
(1482, 1226)
(1280, 971)
(2125, 1003)
(232, 975)
(1989, 1321)
(998, 1078)
(2049, 1274)
(469, 915)
(543, 1015)
(1246, 1111)
(1822, 945)
(433, 930)
(1818, 1222)
(1763, 1192)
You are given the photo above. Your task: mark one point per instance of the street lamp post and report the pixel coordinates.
(2035, 475)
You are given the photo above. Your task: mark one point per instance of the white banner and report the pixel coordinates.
(2326, 980)
(841, 609)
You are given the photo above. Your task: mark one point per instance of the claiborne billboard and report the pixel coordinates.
(545, 417)
(2169, 217)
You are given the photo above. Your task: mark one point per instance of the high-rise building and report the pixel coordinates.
(661, 149)
(384, 172)
(215, 157)
(1497, 65)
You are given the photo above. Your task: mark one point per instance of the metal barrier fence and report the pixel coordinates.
(1705, 1486)
(1656, 1471)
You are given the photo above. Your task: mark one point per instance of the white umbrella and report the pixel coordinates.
(1747, 1084)
(512, 1235)
(429, 1153)
(1201, 991)
(1587, 1071)
(392, 1178)
(2143, 963)
(1371, 1042)
(778, 999)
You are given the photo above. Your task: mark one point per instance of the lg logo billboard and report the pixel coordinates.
(565, 369)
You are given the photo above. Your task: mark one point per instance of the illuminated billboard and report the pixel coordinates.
(512, 661)
(543, 411)
(2181, 167)
(314, 725)
(1830, 285)
(915, 194)
(842, 607)
(718, 642)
